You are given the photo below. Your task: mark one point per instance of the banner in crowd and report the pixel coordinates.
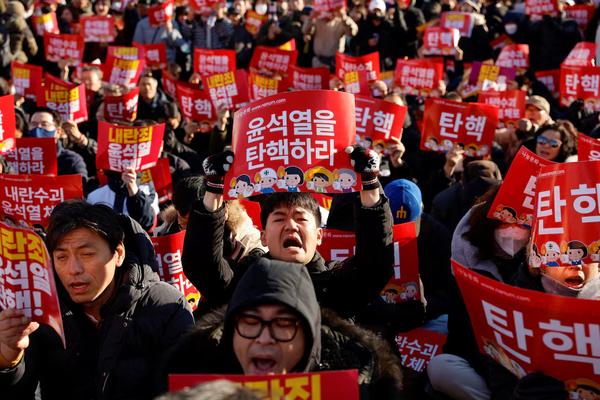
(160, 13)
(27, 279)
(35, 156)
(126, 53)
(514, 56)
(328, 5)
(309, 78)
(7, 123)
(223, 90)
(253, 21)
(300, 386)
(27, 80)
(195, 104)
(541, 7)
(122, 108)
(510, 103)
(583, 54)
(273, 60)
(528, 331)
(211, 62)
(123, 147)
(369, 63)
(65, 98)
(260, 86)
(99, 29)
(419, 76)
(45, 23)
(551, 79)
(31, 198)
(357, 83)
(159, 177)
(122, 71)
(489, 76)
(418, 346)
(463, 21)
(566, 223)
(501, 41)
(168, 251)
(440, 41)
(65, 47)
(447, 122)
(588, 148)
(282, 140)
(169, 84)
(581, 13)
(379, 120)
(201, 6)
(155, 55)
(580, 83)
(515, 202)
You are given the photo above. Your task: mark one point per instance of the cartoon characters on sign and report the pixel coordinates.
(551, 254)
(576, 252)
(505, 214)
(241, 186)
(594, 250)
(291, 178)
(265, 180)
(432, 144)
(319, 179)
(411, 290)
(583, 389)
(345, 180)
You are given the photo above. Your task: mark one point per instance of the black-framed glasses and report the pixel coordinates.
(282, 329)
(550, 142)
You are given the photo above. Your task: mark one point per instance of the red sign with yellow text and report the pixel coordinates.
(122, 71)
(27, 80)
(45, 23)
(254, 21)
(67, 99)
(260, 86)
(463, 21)
(369, 63)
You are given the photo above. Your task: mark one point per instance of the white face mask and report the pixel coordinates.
(511, 29)
(512, 239)
(261, 9)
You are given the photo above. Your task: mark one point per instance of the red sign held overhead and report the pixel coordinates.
(308, 78)
(541, 7)
(223, 89)
(510, 103)
(580, 83)
(45, 23)
(379, 120)
(159, 177)
(7, 123)
(463, 21)
(195, 104)
(211, 62)
(514, 56)
(159, 14)
(155, 54)
(418, 77)
(122, 71)
(64, 47)
(27, 80)
(126, 53)
(271, 60)
(583, 54)
(96, 28)
(582, 13)
(260, 86)
(440, 41)
(254, 21)
(328, 5)
(551, 79)
(588, 148)
(67, 99)
(35, 156)
(121, 108)
(369, 63)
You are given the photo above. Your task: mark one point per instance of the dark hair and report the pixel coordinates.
(568, 137)
(55, 115)
(321, 175)
(511, 211)
(577, 245)
(186, 192)
(481, 228)
(244, 178)
(74, 214)
(295, 171)
(274, 200)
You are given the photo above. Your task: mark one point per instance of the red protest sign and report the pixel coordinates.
(515, 202)
(418, 77)
(160, 13)
(126, 53)
(583, 54)
(581, 13)
(551, 79)
(308, 78)
(155, 54)
(369, 63)
(294, 133)
(64, 47)
(99, 29)
(27, 80)
(45, 23)
(159, 177)
(541, 7)
(357, 82)
(567, 214)
(123, 72)
(31, 198)
(272, 60)
(121, 108)
(254, 21)
(463, 21)
(447, 122)
(241, 80)
(328, 5)
(122, 147)
(195, 104)
(514, 56)
(223, 89)
(440, 41)
(378, 119)
(580, 83)
(588, 148)
(7, 123)
(211, 62)
(200, 6)
(168, 250)
(501, 41)
(35, 156)
(169, 84)
(510, 103)
(26, 277)
(418, 346)
(67, 99)
(527, 331)
(260, 86)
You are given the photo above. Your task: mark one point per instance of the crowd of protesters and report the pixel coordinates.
(270, 302)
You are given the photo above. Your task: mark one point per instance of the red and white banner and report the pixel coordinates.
(580, 83)
(440, 41)
(168, 251)
(195, 104)
(64, 47)
(33, 156)
(357, 82)
(211, 62)
(121, 108)
(567, 219)
(514, 56)
(45, 23)
(305, 386)
(67, 99)
(27, 279)
(27, 80)
(31, 198)
(510, 103)
(279, 139)
(419, 76)
(159, 14)
(169, 84)
(126, 53)
(582, 13)
(123, 72)
(123, 147)
(260, 86)
(541, 7)
(253, 21)
(328, 5)
(380, 120)
(369, 63)
(463, 21)
(490, 77)
(418, 346)
(99, 29)
(515, 202)
(7, 123)
(199, 6)
(272, 60)
(159, 178)
(308, 78)
(583, 54)
(588, 148)
(551, 79)
(447, 122)
(528, 331)
(155, 54)
(227, 89)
